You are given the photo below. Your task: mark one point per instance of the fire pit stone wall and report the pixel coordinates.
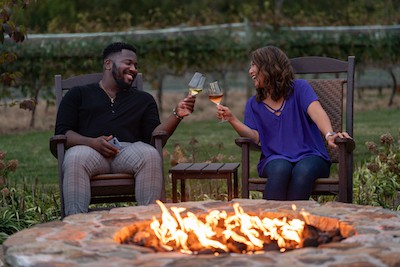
(87, 239)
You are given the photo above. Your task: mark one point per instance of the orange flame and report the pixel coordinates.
(173, 232)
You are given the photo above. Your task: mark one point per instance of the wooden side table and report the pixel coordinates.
(184, 171)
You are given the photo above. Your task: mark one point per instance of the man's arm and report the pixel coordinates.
(183, 109)
(100, 143)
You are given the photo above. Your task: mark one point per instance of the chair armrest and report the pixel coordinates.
(246, 145)
(345, 168)
(54, 141)
(247, 141)
(349, 143)
(159, 138)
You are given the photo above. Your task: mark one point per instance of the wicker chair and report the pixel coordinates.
(105, 188)
(337, 100)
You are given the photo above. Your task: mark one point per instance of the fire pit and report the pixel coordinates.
(372, 238)
(234, 232)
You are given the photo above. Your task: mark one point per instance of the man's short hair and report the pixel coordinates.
(117, 47)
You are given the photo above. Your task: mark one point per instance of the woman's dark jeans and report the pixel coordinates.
(293, 180)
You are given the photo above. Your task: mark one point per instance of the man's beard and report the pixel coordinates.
(120, 81)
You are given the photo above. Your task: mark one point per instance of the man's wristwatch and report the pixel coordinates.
(329, 134)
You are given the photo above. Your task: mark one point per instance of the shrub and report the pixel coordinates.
(22, 206)
(377, 181)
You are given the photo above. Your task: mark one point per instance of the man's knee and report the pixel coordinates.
(77, 154)
(150, 156)
(151, 152)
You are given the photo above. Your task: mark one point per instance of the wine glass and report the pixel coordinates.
(196, 84)
(215, 94)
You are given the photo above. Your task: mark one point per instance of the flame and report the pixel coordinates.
(174, 231)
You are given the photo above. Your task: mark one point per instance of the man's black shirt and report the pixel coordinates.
(88, 111)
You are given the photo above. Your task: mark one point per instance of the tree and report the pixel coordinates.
(56, 16)
(16, 34)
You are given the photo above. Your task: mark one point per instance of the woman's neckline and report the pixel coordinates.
(275, 111)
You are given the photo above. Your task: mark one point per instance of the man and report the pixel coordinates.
(92, 116)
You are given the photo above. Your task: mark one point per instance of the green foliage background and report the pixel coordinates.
(218, 51)
(56, 16)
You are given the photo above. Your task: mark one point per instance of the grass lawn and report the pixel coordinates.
(33, 154)
(370, 125)
(213, 138)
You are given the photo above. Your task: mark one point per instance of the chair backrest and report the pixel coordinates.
(61, 86)
(333, 82)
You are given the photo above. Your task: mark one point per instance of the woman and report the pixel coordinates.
(286, 118)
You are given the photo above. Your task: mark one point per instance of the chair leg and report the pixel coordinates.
(183, 190)
(245, 170)
(174, 190)
(229, 185)
(60, 159)
(235, 185)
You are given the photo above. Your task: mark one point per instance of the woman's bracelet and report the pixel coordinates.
(176, 115)
(329, 134)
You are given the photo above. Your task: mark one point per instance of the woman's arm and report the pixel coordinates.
(242, 129)
(321, 119)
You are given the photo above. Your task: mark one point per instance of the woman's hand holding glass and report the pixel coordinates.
(224, 113)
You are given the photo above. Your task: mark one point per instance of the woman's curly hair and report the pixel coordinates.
(277, 70)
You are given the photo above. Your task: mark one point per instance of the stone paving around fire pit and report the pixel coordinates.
(87, 239)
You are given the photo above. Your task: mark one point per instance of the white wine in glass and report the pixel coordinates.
(196, 84)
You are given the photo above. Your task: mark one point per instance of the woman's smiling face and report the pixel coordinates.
(257, 76)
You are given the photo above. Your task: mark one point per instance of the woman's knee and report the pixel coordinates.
(279, 168)
(312, 167)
